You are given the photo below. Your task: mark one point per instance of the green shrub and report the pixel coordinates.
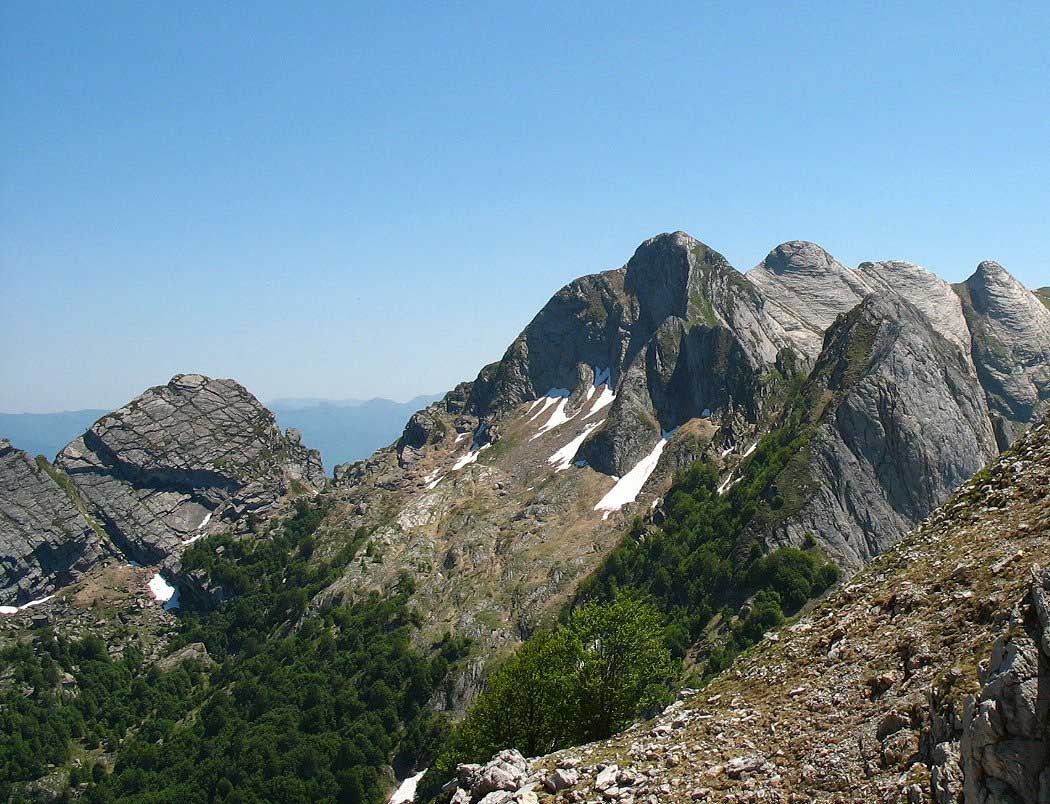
(583, 681)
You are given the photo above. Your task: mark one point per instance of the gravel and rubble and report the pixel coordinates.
(112, 602)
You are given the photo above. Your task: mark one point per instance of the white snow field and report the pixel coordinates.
(629, 486)
(562, 459)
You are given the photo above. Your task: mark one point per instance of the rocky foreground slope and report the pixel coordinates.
(924, 678)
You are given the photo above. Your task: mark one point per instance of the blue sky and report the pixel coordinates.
(348, 200)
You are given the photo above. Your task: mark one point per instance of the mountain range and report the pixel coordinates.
(835, 409)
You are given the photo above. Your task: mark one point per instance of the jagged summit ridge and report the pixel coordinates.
(675, 298)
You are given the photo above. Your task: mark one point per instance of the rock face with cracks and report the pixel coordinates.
(184, 457)
(181, 460)
(46, 541)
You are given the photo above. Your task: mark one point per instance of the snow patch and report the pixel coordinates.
(728, 484)
(605, 398)
(161, 589)
(562, 459)
(164, 592)
(406, 793)
(200, 530)
(629, 486)
(469, 458)
(557, 418)
(750, 449)
(727, 450)
(433, 478)
(461, 436)
(552, 396)
(24, 606)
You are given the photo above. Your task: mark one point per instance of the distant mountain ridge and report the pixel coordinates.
(343, 430)
(46, 433)
(347, 430)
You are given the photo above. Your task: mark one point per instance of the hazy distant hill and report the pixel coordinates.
(347, 430)
(46, 433)
(343, 430)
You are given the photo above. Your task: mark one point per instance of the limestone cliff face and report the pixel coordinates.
(181, 458)
(46, 541)
(898, 421)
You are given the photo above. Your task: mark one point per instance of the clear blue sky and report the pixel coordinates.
(354, 200)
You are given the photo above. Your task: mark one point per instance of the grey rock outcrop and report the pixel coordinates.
(925, 291)
(807, 289)
(1011, 347)
(1005, 746)
(46, 541)
(184, 457)
(897, 421)
(505, 779)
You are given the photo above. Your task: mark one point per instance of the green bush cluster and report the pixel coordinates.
(583, 681)
(315, 716)
(703, 557)
(41, 714)
(293, 714)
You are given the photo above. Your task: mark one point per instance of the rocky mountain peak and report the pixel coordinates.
(801, 256)
(1011, 346)
(994, 289)
(181, 456)
(805, 289)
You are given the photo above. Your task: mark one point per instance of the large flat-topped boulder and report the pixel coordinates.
(45, 540)
(195, 454)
